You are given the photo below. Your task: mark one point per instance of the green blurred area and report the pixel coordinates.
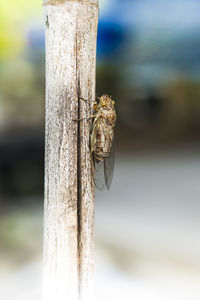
(15, 17)
(21, 81)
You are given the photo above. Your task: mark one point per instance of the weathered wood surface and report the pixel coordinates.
(70, 32)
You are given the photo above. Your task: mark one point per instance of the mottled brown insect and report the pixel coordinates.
(102, 141)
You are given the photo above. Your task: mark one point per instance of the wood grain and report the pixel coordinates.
(70, 33)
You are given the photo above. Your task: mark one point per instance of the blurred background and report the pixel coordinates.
(148, 224)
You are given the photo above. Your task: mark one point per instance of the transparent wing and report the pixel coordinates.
(109, 167)
(99, 177)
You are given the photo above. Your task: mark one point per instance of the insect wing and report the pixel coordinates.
(109, 167)
(99, 177)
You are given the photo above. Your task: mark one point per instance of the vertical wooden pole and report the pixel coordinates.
(70, 31)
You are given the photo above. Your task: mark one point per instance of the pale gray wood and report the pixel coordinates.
(70, 32)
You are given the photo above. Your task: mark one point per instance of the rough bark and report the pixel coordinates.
(70, 31)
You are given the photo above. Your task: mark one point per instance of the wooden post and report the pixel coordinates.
(70, 31)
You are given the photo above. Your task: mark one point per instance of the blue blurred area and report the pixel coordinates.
(36, 44)
(160, 35)
(156, 33)
(36, 38)
(110, 40)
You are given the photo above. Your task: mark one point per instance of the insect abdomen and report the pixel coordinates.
(103, 144)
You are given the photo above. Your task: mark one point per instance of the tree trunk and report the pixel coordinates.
(70, 31)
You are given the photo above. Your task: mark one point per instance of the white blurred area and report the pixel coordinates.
(147, 233)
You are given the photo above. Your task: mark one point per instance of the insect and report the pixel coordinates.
(102, 136)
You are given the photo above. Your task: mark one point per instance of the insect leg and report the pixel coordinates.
(95, 102)
(86, 100)
(81, 119)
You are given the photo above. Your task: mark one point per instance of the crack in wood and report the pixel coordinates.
(79, 192)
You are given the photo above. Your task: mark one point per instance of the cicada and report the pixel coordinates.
(102, 136)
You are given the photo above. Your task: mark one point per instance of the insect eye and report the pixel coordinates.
(103, 102)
